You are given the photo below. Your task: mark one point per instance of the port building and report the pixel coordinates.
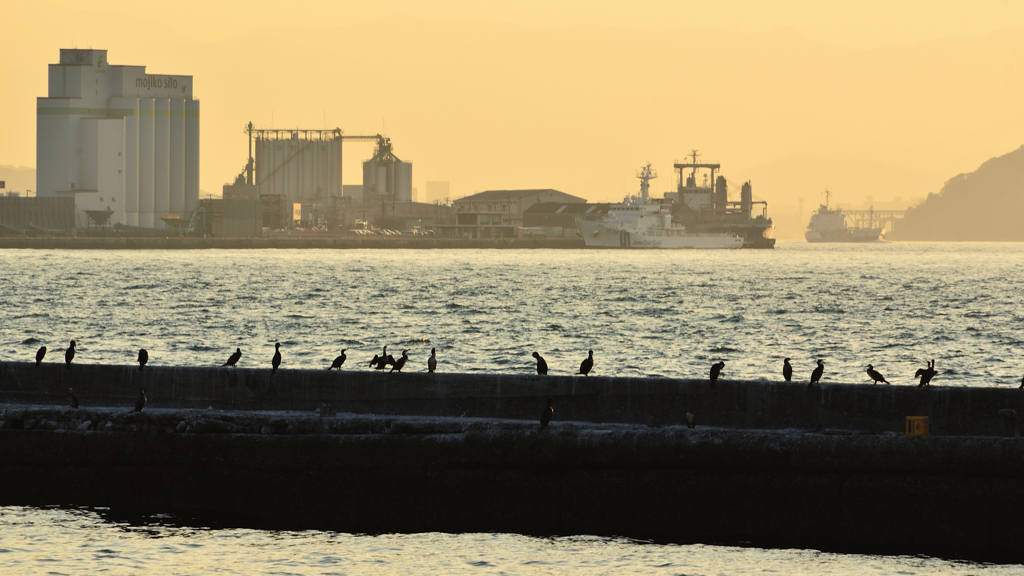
(124, 143)
(498, 213)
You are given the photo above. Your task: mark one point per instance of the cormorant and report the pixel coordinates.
(338, 361)
(143, 358)
(373, 362)
(383, 360)
(276, 360)
(69, 355)
(545, 416)
(587, 365)
(72, 399)
(816, 375)
(234, 358)
(926, 374)
(141, 402)
(876, 375)
(432, 361)
(542, 366)
(401, 362)
(715, 369)
(787, 370)
(39, 355)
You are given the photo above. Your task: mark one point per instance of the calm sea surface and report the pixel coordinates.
(643, 313)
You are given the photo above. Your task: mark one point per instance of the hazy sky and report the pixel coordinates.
(869, 98)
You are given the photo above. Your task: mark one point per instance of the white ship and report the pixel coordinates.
(642, 222)
(829, 225)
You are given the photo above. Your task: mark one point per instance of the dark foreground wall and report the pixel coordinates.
(769, 463)
(879, 493)
(757, 404)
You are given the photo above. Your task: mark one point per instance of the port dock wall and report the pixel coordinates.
(768, 464)
(179, 243)
(729, 403)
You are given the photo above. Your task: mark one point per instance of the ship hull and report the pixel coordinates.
(596, 235)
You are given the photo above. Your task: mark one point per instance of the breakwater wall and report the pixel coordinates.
(177, 243)
(768, 464)
(730, 403)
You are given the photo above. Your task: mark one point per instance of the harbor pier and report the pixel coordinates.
(767, 463)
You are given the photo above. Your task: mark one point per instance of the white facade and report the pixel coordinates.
(118, 139)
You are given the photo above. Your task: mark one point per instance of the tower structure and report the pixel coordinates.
(122, 142)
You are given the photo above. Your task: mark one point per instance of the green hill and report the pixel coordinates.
(985, 205)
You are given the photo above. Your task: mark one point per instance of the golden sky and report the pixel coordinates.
(869, 98)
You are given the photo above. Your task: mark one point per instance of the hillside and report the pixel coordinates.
(985, 205)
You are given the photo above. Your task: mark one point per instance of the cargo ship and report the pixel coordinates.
(829, 225)
(701, 203)
(644, 222)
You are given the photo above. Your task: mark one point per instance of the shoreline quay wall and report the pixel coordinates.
(768, 464)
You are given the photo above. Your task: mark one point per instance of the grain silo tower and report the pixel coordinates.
(386, 176)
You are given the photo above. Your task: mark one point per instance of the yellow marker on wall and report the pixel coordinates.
(917, 425)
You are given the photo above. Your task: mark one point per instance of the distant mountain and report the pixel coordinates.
(985, 205)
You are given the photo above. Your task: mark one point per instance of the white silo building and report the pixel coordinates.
(118, 139)
(386, 176)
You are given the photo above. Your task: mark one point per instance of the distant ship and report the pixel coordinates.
(702, 208)
(643, 222)
(829, 225)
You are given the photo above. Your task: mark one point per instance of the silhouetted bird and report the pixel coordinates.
(382, 360)
(276, 360)
(72, 399)
(39, 355)
(338, 361)
(545, 416)
(588, 364)
(141, 402)
(432, 361)
(69, 355)
(787, 370)
(715, 370)
(234, 358)
(1022, 382)
(542, 366)
(876, 375)
(373, 363)
(926, 374)
(816, 375)
(691, 422)
(143, 358)
(401, 362)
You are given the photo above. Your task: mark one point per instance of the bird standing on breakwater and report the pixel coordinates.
(234, 358)
(400, 362)
(72, 399)
(545, 416)
(338, 361)
(588, 364)
(876, 376)
(926, 374)
(141, 402)
(143, 358)
(542, 366)
(432, 361)
(69, 355)
(381, 362)
(787, 370)
(715, 370)
(816, 375)
(276, 360)
(39, 355)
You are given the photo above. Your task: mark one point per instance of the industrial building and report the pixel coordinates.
(120, 141)
(558, 219)
(498, 213)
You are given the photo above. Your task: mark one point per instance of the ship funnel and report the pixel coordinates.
(721, 195)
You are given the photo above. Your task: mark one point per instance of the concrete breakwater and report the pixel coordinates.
(178, 243)
(735, 404)
(771, 464)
